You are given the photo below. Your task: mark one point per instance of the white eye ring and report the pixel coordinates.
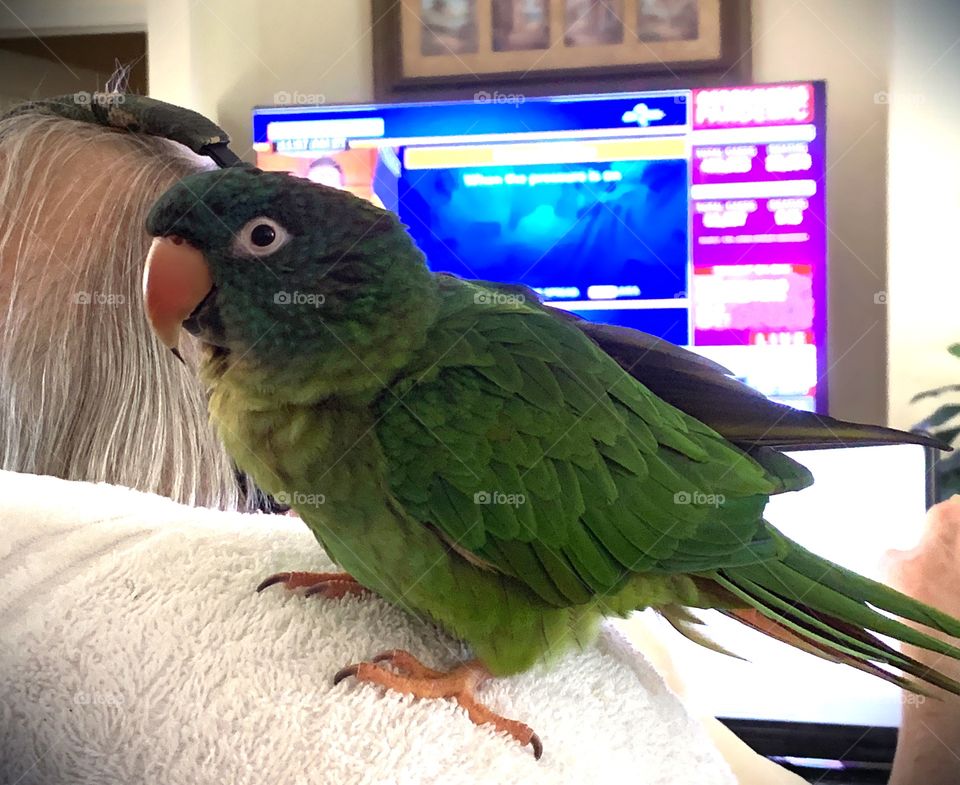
(252, 240)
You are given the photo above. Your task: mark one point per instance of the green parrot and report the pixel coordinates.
(501, 468)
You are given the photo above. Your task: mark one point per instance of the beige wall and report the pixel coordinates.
(63, 17)
(924, 202)
(223, 56)
(26, 77)
(847, 43)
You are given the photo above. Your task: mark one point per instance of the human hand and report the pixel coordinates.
(930, 572)
(928, 747)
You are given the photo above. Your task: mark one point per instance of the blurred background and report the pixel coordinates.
(893, 73)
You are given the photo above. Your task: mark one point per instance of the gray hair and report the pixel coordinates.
(87, 392)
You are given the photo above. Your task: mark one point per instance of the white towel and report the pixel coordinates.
(133, 649)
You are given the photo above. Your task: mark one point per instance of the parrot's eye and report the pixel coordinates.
(260, 237)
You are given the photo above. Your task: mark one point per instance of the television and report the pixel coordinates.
(695, 215)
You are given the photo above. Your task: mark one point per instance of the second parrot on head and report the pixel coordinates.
(506, 470)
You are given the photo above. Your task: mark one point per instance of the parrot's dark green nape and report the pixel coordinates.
(504, 469)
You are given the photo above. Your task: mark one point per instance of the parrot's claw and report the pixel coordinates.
(343, 673)
(417, 679)
(331, 585)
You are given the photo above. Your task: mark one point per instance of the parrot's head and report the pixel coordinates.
(274, 268)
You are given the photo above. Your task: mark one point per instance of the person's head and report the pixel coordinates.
(326, 171)
(86, 390)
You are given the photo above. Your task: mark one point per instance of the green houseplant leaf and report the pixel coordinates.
(947, 466)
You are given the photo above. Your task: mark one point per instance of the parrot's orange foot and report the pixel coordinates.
(331, 585)
(413, 677)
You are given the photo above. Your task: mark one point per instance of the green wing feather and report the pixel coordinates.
(535, 452)
(710, 393)
(577, 459)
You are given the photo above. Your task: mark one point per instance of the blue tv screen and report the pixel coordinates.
(694, 215)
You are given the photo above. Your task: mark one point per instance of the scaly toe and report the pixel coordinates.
(481, 715)
(415, 678)
(331, 585)
(407, 664)
(336, 589)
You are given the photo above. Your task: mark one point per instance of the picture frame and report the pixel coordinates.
(452, 48)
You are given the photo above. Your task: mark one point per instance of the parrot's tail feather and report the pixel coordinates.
(865, 590)
(822, 608)
(683, 622)
(755, 619)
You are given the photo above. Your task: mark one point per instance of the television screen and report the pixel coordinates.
(695, 215)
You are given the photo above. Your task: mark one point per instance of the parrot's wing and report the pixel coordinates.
(532, 451)
(709, 392)
(738, 412)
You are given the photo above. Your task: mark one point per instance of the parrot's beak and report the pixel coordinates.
(176, 279)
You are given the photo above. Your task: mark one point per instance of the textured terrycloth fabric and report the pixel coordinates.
(133, 649)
